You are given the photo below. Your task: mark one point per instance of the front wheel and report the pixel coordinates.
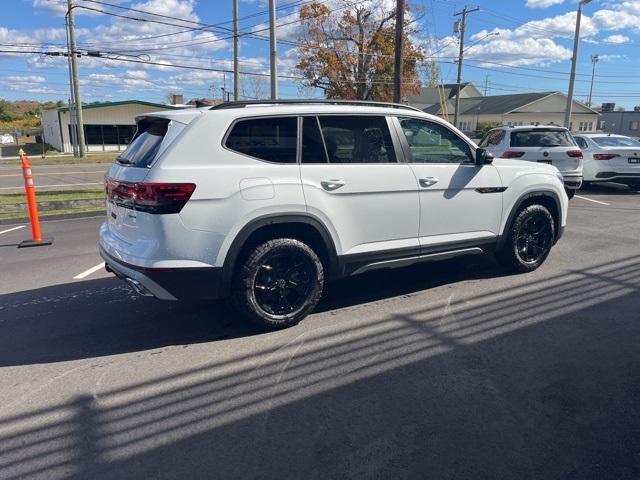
(570, 192)
(529, 239)
(278, 283)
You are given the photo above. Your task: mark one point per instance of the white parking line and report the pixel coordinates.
(86, 273)
(592, 200)
(12, 229)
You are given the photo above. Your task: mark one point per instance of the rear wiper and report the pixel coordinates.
(123, 161)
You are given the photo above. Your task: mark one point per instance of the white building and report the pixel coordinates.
(108, 126)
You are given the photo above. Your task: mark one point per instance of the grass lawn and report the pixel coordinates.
(106, 157)
(16, 198)
(21, 215)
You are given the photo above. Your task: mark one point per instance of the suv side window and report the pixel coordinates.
(313, 150)
(582, 143)
(357, 139)
(492, 138)
(271, 139)
(431, 142)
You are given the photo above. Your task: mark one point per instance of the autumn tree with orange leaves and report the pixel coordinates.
(348, 51)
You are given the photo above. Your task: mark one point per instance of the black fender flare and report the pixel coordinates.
(502, 238)
(276, 219)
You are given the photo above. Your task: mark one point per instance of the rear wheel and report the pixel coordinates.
(278, 283)
(529, 240)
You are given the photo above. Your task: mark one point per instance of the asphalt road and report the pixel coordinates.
(451, 370)
(86, 176)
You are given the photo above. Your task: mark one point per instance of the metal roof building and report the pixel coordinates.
(108, 126)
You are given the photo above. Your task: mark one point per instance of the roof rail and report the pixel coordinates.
(291, 101)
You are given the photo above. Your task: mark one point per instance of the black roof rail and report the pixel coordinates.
(292, 101)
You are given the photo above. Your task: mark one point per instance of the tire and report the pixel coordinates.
(529, 240)
(278, 283)
(570, 192)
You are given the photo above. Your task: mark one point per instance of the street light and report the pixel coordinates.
(574, 60)
(594, 60)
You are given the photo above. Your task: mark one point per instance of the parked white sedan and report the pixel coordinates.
(610, 158)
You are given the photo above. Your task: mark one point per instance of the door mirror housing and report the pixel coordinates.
(483, 157)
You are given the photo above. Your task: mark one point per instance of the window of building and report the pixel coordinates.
(357, 139)
(590, 127)
(431, 142)
(271, 139)
(634, 125)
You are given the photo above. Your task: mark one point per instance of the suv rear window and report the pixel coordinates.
(271, 139)
(144, 147)
(541, 138)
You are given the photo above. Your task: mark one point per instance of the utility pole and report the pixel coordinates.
(75, 77)
(274, 49)
(74, 143)
(486, 84)
(594, 60)
(460, 27)
(236, 50)
(397, 73)
(574, 61)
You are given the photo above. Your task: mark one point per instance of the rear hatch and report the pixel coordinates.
(554, 146)
(133, 205)
(622, 154)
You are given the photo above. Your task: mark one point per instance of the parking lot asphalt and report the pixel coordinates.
(441, 371)
(88, 176)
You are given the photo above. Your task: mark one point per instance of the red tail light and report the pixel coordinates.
(604, 156)
(511, 154)
(149, 197)
(575, 153)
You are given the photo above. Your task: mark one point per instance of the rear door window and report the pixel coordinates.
(313, 150)
(272, 139)
(357, 139)
(146, 143)
(542, 138)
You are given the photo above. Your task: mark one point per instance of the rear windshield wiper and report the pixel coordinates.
(123, 161)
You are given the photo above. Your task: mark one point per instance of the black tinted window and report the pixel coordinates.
(271, 139)
(582, 143)
(357, 139)
(144, 147)
(312, 146)
(431, 142)
(615, 141)
(541, 138)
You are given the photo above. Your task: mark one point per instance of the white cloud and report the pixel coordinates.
(24, 79)
(616, 39)
(543, 3)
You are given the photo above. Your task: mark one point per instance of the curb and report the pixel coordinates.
(62, 216)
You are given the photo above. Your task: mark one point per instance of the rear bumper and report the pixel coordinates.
(167, 283)
(573, 182)
(617, 177)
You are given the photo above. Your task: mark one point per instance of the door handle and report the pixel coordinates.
(428, 181)
(331, 185)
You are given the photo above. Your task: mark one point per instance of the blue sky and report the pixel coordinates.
(513, 45)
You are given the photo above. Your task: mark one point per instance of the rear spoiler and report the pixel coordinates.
(184, 116)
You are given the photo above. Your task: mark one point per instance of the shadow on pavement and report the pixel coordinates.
(540, 381)
(607, 188)
(101, 317)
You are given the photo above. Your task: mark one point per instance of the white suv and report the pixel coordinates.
(540, 143)
(265, 202)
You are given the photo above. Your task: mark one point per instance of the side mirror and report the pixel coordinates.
(483, 157)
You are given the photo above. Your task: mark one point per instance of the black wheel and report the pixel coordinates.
(570, 192)
(278, 283)
(529, 240)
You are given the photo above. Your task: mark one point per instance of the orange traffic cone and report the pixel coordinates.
(29, 188)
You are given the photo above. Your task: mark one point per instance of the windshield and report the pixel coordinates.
(615, 141)
(144, 147)
(542, 138)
